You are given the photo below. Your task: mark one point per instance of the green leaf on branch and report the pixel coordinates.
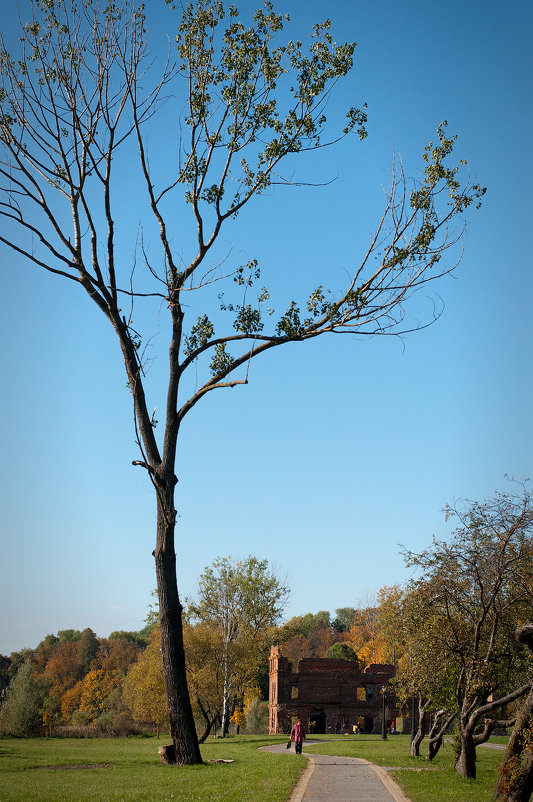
(222, 361)
(201, 333)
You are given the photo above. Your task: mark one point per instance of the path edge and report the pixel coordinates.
(303, 781)
(392, 787)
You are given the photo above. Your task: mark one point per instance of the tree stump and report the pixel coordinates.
(167, 755)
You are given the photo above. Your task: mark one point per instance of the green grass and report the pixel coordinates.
(420, 780)
(130, 769)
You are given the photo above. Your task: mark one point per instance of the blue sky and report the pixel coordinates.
(338, 449)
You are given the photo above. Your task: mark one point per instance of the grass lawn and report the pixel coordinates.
(421, 781)
(96, 769)
(130, 769)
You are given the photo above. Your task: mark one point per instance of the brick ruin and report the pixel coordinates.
(329, 695)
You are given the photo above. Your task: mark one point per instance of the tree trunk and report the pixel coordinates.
(434, 744)
(436, 734)
(209, 722)
(465, 764)
(417, 740)
(419, 734)
(182, 727)
(225, 708)
(515, 782)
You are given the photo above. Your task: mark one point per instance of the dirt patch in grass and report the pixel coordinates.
(76, 766)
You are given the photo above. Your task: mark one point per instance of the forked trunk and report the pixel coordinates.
(182, 728)
(419, 734)
(436, 734)
(465, 764)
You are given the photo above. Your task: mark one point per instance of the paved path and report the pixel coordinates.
(342, 779)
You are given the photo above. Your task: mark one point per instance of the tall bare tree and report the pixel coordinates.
(78, 99)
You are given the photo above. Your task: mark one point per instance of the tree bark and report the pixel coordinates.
(182, 727)
(419, 734)
(208, 721)
(225, 701)
(515, 783)
(436, 733)
(465, 764)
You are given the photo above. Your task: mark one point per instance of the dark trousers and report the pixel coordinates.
(298, 747)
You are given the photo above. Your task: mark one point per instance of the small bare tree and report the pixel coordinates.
(79, 98)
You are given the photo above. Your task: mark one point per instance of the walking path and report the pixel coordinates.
(342, 779)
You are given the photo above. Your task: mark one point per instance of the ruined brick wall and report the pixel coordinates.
(328, 695)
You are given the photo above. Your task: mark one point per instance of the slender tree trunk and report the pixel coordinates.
(209, 722)
(225, 708)
(419, 734)
(182, 728)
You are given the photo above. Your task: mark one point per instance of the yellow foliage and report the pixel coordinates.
(97, 686)
(71, 700)
(238, 718)
(144, 689)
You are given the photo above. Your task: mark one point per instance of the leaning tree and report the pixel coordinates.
(78, 99)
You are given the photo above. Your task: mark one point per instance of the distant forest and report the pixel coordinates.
(74, 682)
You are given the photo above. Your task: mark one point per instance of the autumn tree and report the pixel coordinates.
(79, 96)
(365, 635)
(144, 686)
(406, 626)
(471, 593)
(96, 689)
(241, 599)
(205, 672)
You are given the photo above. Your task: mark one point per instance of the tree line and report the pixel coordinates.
(115, 685)
(455, 632)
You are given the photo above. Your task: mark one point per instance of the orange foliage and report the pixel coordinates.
(97, 686)
(71, 700)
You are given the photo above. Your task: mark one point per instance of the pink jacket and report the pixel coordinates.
(298, 732)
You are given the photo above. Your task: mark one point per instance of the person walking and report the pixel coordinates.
(298, 736)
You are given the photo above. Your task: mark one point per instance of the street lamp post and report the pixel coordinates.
(383, 719)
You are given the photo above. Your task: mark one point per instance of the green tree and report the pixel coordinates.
(88, 647)
(78, 96)
(308, 623)
(344, 618)
(341, 651)
(21, 713)
(471, 593)
(5, 663)
(241, 599)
